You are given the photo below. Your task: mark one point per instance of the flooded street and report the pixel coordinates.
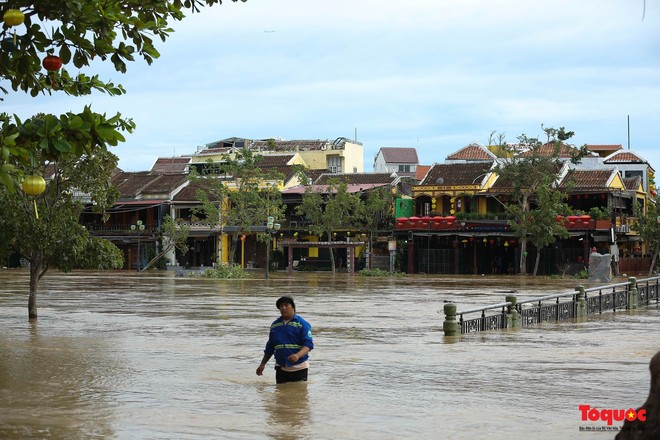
(149, 356)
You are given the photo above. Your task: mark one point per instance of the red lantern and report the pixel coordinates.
(52, 63)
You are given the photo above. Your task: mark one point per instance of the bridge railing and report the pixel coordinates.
(575, 305)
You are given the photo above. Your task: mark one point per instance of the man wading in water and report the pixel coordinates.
(290, 340)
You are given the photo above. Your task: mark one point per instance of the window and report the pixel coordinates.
(404, 168)
(334, 164)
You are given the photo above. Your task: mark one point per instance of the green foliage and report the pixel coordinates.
(56, 239)
(81, 33)
(379, 273)
(543, 229)
(28, 145)
(647, 224)
(333, 210)
(599, 213)
(376, 210)
(583, 274)
(524, 175)
(100, 254)
(233, 271)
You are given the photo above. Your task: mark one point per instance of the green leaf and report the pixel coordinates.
(76, 122)
(62, 145)
(8, 181)
(65, 53)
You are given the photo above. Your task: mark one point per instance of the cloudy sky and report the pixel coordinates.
(432, 74)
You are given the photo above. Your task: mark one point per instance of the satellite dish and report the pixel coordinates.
(440, 180)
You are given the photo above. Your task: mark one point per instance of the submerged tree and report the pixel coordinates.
(44, 229)
(543, 227)
(647, 224)
(525, 174)
(376, 213)
(331, 209)
(42, 43)
(174, 236)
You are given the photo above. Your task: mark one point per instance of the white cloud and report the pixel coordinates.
(430, 74)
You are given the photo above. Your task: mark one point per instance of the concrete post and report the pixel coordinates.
(512, 315)
(633, 294)
(581, 304)
(450, 326)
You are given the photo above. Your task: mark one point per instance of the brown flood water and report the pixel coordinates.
(121, 355)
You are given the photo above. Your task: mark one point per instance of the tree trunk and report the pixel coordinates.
(536, 263)
(332, 260)
(36, 272)
(523, 257)
(234, 245)
(157, 257)
(654, 259)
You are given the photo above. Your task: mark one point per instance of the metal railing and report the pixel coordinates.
(556, 307)
(484, 322)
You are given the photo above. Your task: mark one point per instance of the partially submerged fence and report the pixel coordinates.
(575, 305)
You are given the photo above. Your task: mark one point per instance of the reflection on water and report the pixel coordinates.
(127, 355)
(288, 410)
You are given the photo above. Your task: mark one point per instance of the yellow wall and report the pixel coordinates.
(351, 156)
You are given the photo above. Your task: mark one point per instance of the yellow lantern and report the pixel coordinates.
(13, 17)
(34, 185)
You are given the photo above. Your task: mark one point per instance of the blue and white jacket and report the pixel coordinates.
(287, 339)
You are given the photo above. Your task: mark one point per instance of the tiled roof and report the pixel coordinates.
(213, 151)
(506, 186)
(586, 179)
(626, 156)
(457, 174)
(421, 171)
(324, 189)
(165, 183)
(189, 192)
(225, 145)
(603, 147)
(357, 178)
(170, 165)
(632, 183)
(274, 160)
(293, 145)
(130, 184)
(277, 163)
(133, 184)
(472, 152)
(550, 149)
(399, 155)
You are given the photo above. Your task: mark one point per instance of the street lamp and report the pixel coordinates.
(139, 227)
(271, 228)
